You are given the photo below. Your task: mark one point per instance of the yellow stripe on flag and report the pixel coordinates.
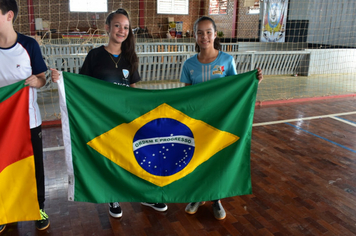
(18, 192)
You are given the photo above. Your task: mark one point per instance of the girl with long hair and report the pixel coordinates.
(116, 63)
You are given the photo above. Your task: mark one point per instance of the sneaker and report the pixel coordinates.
(2, 228)
(218, 210)
(43, 223)
(156, 206)
(115, 209)
(192, 207)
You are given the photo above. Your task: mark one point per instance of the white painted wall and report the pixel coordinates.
(332, 61)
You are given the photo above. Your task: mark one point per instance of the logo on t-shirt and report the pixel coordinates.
(218, 70)
(191, 72)
(126, 73)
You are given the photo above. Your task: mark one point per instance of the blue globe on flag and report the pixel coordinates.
(163, 146)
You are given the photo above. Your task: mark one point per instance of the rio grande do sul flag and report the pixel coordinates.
(178, 145)
(18, 190)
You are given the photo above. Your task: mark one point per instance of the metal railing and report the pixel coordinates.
(67, 49)
(163, 69)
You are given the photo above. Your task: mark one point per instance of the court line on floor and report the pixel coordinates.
(345, 121)
(325, 139)
(305, 118)
(50, 149)
(333, 116)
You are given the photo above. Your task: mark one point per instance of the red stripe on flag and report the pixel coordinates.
(15, 135)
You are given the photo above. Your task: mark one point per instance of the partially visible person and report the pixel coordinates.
(209, 63)
(21, 59)
(116, 63)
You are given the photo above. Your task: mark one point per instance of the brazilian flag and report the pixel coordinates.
(178, 145)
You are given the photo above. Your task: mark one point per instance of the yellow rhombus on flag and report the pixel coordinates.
(117, 145)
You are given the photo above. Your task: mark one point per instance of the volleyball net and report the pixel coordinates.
(305, 48)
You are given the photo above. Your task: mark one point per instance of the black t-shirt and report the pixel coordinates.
(99, 64)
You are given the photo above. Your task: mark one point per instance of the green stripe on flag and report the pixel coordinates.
(10, 90)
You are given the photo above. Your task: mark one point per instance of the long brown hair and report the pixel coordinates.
(128, 48)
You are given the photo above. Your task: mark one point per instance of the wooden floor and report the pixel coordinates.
(303, 178)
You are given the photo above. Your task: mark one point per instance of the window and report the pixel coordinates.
(176, 7)
(255, 9)
(218, 7)
(88, 5)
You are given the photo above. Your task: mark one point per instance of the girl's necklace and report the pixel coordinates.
(115, 62)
